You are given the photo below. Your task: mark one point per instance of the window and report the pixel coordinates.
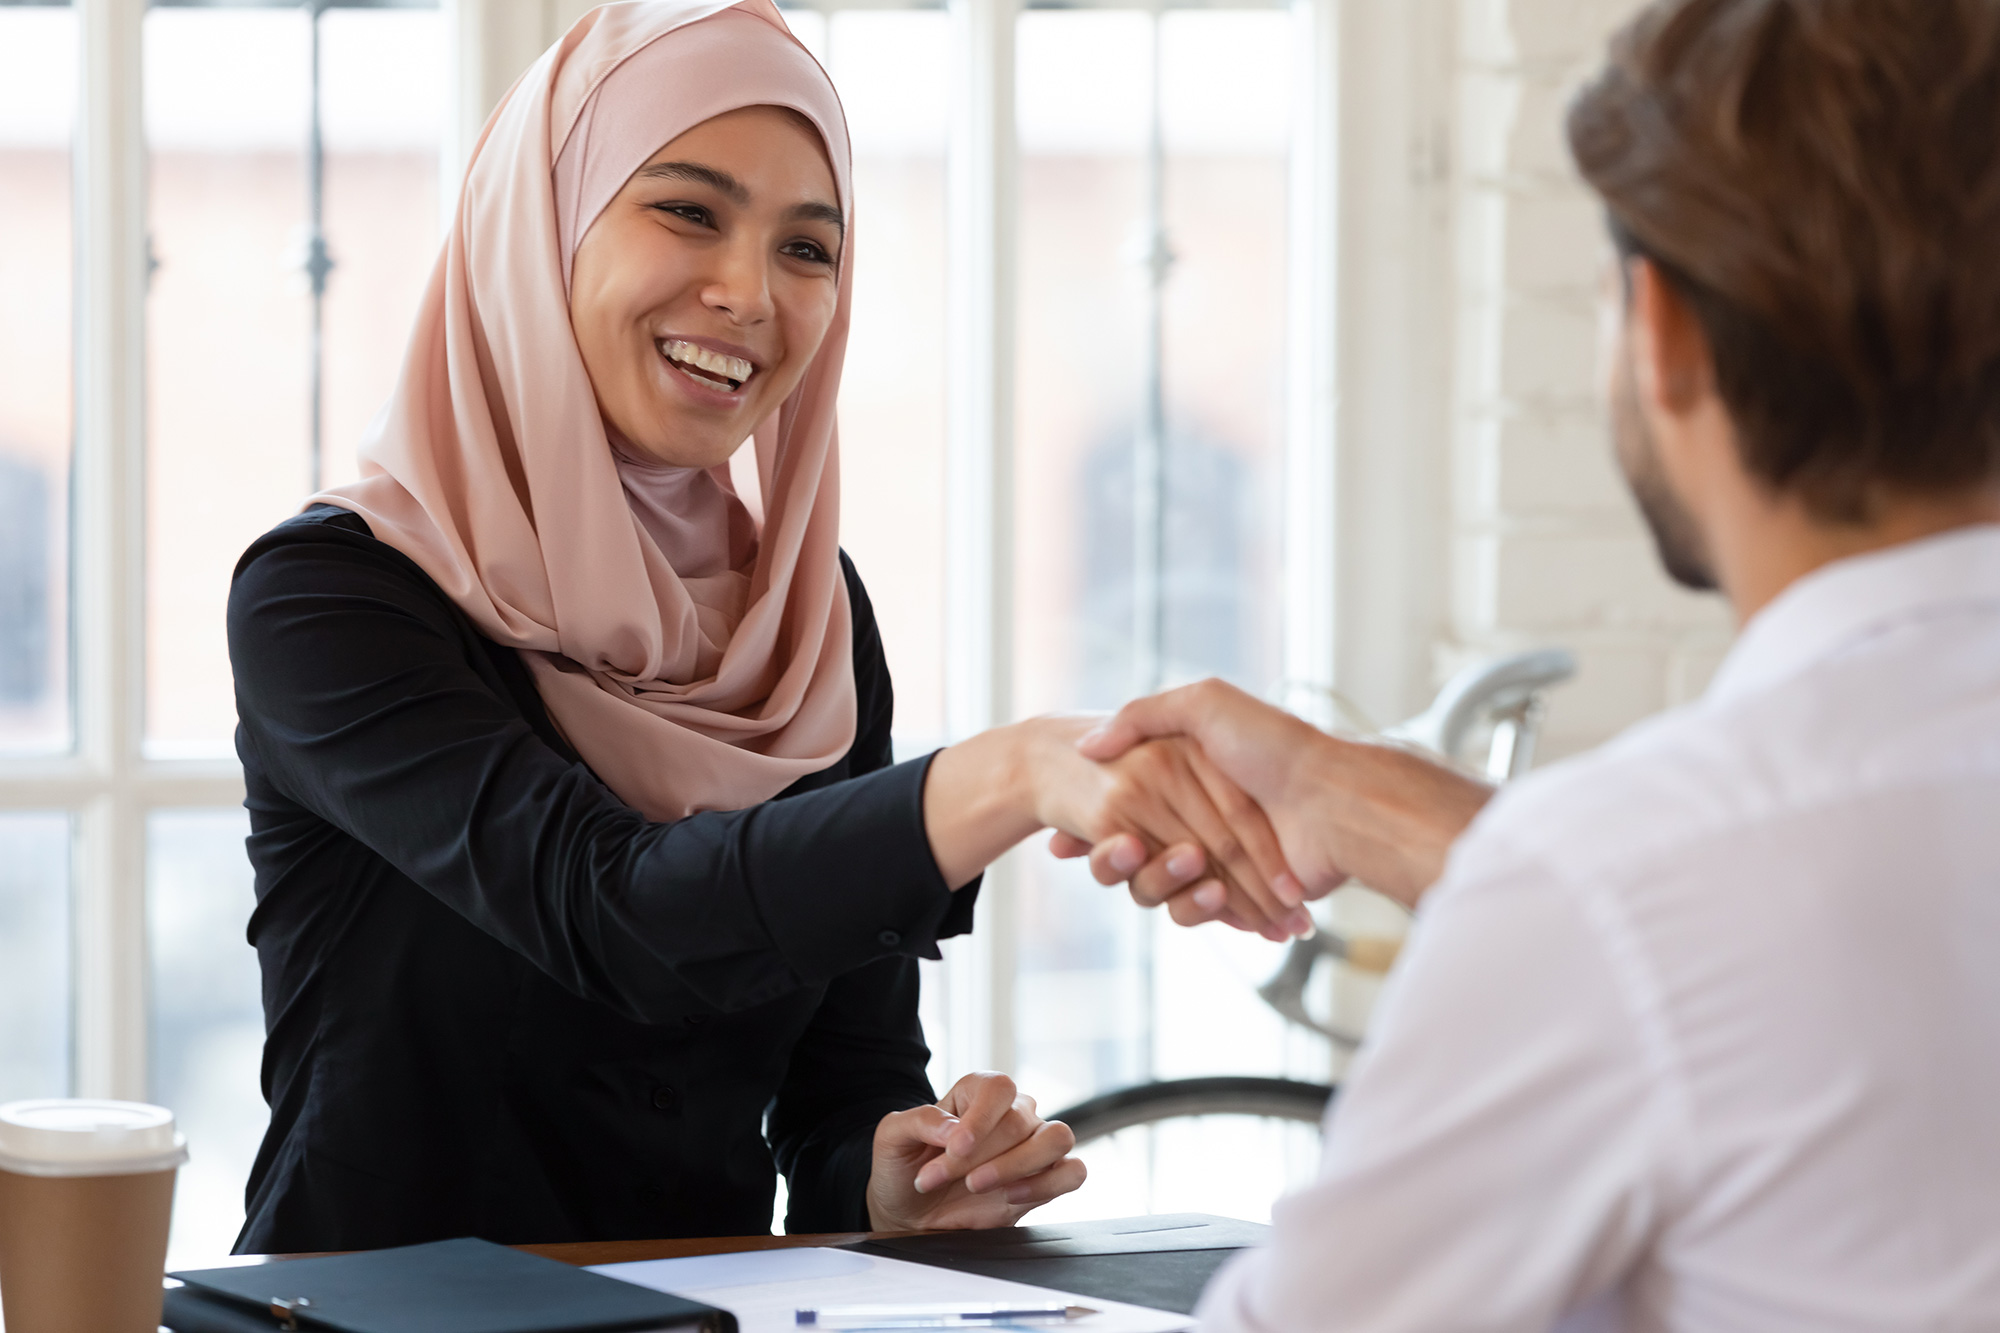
(263, 370)
(37, 91)
(34, 954)
(208, 288)
(1152, 300)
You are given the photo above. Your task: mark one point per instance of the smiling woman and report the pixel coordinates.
(688, 258)
(546, 957)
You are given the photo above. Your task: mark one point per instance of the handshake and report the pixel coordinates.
(1203, 799)
(1222, 807)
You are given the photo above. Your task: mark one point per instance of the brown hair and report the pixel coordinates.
(1820, 181)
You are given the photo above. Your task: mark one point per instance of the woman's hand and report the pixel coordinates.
(1177, 818)
(981, 1157)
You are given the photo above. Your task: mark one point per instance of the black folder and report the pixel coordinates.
(448, 1286)
(1160, 1262)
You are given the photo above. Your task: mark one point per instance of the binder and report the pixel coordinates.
(447, 1286)
(1161, 1262)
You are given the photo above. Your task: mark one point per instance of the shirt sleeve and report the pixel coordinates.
(1493, 1163)
(358, 693)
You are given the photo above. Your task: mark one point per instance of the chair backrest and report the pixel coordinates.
(1505, 692)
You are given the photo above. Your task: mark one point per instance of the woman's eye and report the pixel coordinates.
(810, 251)
(694, 213)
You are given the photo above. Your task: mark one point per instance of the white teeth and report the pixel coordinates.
(725, 367)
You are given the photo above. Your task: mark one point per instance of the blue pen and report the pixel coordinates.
(938, 1316)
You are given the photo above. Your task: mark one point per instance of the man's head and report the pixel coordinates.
(1806, 198)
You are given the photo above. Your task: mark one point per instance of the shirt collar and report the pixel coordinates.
(1840, 603)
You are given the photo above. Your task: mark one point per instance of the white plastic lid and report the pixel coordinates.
(59, 1137)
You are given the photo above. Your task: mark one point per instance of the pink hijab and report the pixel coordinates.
(695, 662)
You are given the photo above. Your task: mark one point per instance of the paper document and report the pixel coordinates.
(767, 1288)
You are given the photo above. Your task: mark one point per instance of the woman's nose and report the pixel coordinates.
(740, 287)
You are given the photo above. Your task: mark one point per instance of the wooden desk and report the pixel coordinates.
(626, 1251)
(584, 1252)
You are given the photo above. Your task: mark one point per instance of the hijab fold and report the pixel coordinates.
(695, 659)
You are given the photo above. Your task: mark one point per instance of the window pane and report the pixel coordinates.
(890, 68)
(229, 362)
(1081, 100)
(1108, 995)
(207, 1016)
(226, 385)
(383, 93)
(37, 102)
(34, 956)
(1227, 114)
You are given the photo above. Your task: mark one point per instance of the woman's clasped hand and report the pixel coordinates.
(979, 1157)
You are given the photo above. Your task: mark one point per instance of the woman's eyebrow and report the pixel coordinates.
(718, 179)
(818, 212)
(713, 177)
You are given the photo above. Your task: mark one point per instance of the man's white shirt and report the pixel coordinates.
(1700, 1031)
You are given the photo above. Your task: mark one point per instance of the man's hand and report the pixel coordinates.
(1184, 819)
(981, 1157)
(1340, 808)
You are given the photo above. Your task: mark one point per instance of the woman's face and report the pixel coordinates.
(701, 293)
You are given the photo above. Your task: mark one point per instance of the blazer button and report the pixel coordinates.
(888, 939)
(666, 1099)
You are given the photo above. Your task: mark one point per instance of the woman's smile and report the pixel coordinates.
(709, 366)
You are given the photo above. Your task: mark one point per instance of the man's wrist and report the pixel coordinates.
(1318, 765)
(1434, 804)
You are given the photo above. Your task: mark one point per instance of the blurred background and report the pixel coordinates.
(1242, 339)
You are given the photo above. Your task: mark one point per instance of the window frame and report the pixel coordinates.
(107, 784)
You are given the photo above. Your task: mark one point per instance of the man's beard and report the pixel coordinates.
(1676, 535)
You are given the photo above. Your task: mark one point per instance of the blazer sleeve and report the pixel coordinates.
(358, 694)
(863, 1055)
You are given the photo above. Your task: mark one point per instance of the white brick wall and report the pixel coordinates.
(1546, 546)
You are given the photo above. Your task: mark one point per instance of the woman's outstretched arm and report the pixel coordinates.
(369, 705)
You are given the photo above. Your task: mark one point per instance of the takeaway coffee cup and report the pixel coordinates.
(86, 1190)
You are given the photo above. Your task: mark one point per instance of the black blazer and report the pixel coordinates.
(498, 1001)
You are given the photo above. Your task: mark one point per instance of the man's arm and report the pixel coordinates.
(1496, 1160)
(1377, 813)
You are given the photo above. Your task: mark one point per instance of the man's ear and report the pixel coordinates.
(1672, 368)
